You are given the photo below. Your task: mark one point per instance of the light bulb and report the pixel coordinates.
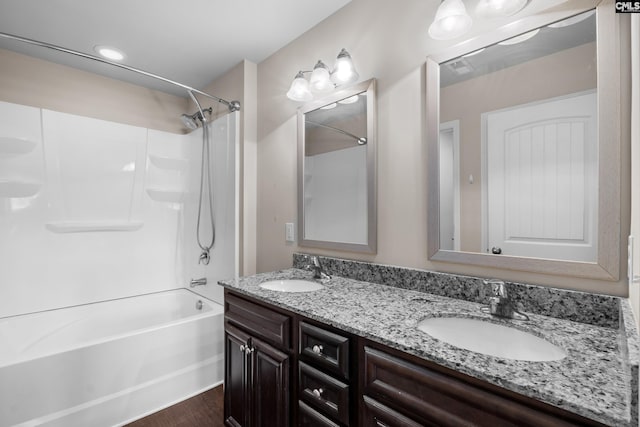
(320, 81)
(299, 90)
(344, 71)
(451, 21)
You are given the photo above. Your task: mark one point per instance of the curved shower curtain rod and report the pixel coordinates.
(232, 105)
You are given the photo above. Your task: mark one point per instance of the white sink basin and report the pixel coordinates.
(491, 339)
(291, 285)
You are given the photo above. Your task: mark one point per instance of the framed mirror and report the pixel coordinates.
(337, 170)
(524, 145)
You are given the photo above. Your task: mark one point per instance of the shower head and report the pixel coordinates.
(189, 121)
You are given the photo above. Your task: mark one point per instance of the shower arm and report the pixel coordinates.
(232, 105)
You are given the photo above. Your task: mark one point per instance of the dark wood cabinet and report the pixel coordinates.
(321, 376)
(257, 373)
(236, 378)
(376, 414)
(401, 392)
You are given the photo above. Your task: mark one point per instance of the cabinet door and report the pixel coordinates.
(236, 379)
(270, 387)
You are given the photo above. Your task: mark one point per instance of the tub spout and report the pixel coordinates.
(198, 282)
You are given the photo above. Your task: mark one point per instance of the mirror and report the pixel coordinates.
(337, 170)
(524, 147)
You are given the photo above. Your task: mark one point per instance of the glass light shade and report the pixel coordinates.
(344, 71)
(350, 100)
(572, 20)
(320, 81)
(521, 38)
(451, 21)
(492, 8)
(299, 90)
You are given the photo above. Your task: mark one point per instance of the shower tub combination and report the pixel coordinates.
(109, 363)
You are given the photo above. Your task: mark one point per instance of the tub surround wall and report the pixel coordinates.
(93, 210)
(103, 219)
(223, 160)
(240, 83)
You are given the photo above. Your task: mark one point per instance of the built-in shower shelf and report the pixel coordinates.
(167, 195)
(171, 163)
(92, 226)
(15, 145)
(17, 188)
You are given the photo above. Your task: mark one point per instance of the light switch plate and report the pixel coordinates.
(289, 233)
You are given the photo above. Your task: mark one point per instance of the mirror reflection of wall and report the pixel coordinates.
(337, 170)
(335, 165)
(524, 181)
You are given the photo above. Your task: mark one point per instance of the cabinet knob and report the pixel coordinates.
(242, 348)
(249, 350)
(317, 392)
(317, 349)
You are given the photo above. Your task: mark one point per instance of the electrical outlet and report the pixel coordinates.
(289, 233)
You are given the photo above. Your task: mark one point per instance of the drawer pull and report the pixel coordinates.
(242, 348)
(379, 423)
(317, 392)
(317, 349)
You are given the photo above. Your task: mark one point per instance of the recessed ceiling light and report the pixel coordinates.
(109, 52)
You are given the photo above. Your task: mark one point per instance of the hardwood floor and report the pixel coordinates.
(205, 409)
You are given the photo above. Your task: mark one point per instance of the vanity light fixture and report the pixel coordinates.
(322, 81)
(109, 52)
(451, 21)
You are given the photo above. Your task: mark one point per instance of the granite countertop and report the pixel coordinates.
(593, 380)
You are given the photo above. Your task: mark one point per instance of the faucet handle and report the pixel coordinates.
(498, 287)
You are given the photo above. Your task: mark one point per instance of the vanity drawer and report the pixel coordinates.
(310, 418)
(324, 349)
(323, 393)
(432, 397)
(376, 414)
(260, 321)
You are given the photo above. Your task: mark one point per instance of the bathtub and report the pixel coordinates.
(108, 363)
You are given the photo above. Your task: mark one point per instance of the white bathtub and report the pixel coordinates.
(108, 363)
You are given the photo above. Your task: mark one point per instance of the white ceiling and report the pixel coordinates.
(189, 41)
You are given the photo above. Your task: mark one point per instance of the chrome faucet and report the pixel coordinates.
(316, 266)
(198, 282)
(500, 304)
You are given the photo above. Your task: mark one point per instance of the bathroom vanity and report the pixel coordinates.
(351, 354)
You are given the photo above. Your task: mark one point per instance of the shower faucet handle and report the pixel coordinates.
(204, 258)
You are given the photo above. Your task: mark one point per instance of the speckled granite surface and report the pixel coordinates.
(593, 380)
(582, 307)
